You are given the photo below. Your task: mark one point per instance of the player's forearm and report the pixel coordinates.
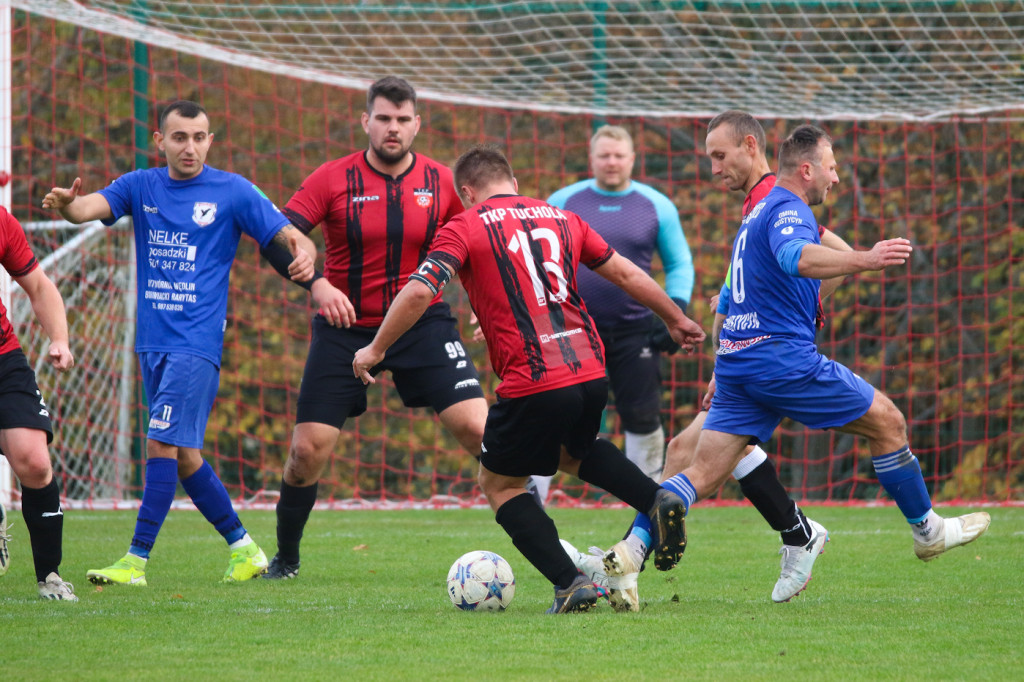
(85, 208)
(410, 304)
(821, 262)
(48, 307)
(638, 284)
(832, 241)
(716, 329)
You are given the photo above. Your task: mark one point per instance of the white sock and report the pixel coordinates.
(543, 485)
(240, 542)
(647, 451)
(637, 546)
(928, 529)
(749, 463)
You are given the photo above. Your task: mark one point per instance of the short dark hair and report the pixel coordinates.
(481, 166)
(801, 146)
(184, 108)
(742, 123)
(392, 88)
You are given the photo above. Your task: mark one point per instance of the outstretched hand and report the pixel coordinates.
(59, 197)
(889, 252)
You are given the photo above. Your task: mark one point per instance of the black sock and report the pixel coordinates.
(606, 467)
(764, 490)
(293, 509)
(534, 534)
(44, 519)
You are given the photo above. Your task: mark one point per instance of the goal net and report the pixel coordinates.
(923, 99)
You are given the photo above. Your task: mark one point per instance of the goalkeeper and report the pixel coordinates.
(636, 220)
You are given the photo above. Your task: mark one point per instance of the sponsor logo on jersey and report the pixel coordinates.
(608, 209)
(545, 338)
(158, 424)
(726, 346)
(150, 209)
(204, 213)
(368, 197)
(424, 198)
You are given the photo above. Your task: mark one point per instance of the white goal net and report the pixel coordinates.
(801, 59)
(91, 405)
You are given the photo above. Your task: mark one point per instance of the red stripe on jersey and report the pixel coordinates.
(17, 258)
(517, 258)
(377, 229)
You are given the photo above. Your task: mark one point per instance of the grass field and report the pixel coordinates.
(370, 604)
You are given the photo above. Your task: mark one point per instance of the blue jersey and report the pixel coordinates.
(186, 236)
(634, 222)
(769, 330)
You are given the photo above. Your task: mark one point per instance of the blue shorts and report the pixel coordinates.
(824, 397)
(180, 388)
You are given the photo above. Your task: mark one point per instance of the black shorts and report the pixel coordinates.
(21, 403)
(634, 371)
(524, 436)
(428, 364)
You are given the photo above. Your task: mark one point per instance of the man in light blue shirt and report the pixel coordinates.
(637, 221)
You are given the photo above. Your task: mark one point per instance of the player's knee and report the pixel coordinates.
(34, 471)
(306, 458)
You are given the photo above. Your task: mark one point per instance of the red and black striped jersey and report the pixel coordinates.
(376, 228)
(517, 258)
(18, 259)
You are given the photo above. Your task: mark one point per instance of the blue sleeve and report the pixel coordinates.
(560, 198)
(723, 299)
(791, 228)
(788, 256)
(257, 215)
(119, 195)
(672, 247)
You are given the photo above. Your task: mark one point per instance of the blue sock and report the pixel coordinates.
(211, 498)
(161, 482)
(681, 486)
(642, 529)
(900, 474)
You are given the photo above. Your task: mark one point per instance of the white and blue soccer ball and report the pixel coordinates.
(481, 581)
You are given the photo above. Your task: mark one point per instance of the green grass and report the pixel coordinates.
(873, 611)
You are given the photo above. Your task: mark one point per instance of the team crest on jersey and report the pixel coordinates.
(424, 197)
(203, 213)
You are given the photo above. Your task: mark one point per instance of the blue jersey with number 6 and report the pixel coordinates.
(186, 236)
(769, 330)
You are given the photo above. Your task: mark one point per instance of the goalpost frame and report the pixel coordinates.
(6, 483)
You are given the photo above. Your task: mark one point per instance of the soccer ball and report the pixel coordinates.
(481, 581)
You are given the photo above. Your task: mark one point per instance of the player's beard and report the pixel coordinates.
(389, 157)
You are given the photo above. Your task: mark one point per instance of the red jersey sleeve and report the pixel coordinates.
(450, 245)
(595, 251)
(311, 202)
(15, 254)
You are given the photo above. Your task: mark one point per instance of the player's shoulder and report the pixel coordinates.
(660, 200)
(560, 197)
(427, 162)
(339, 165)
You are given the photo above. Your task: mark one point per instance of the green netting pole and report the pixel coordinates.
(140, 118)
(599, 57)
